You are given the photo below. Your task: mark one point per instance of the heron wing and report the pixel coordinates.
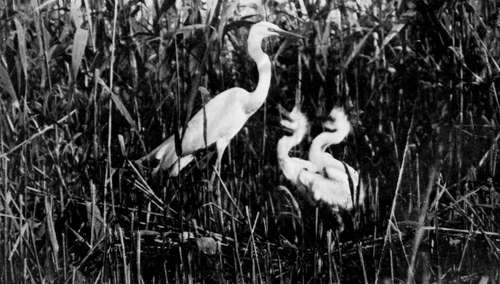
(330, 191)
(305, 164)
(336, 174)
(291, 168)
(342, 174)
(224, 116)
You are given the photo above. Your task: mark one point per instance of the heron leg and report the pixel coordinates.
(221, 147)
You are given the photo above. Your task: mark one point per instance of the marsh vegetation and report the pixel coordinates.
(87, 87)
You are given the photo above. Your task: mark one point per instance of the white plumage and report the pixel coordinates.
(341, 173)
(225, 114)
(292, 166)
(332, 188)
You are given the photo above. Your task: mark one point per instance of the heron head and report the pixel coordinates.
(336, 119)
(295, 121)
(265, 29)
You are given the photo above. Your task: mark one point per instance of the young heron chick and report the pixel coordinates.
(292, 166)
(306, 175)
(338, 127)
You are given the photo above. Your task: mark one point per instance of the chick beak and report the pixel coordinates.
(283, 112)
(287, 34)
(287, 130)
(289, 126)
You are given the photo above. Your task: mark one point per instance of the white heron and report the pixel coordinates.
(225, 114)
(341, 173)
(292, 166)
(332, 191)
(307, 175)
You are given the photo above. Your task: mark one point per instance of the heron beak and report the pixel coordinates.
(288, 125)
(287, 130)
(287, 34)
(283, 111)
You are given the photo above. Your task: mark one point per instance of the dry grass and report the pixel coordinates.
(89, 86)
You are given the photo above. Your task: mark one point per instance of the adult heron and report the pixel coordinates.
(225, 114)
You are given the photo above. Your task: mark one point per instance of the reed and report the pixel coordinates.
(89, 86)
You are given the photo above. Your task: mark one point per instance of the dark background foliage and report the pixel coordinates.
(88, 86)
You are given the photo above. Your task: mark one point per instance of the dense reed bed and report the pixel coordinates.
(87, 87)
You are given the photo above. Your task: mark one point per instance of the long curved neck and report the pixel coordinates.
(259, 95)
(323, 141)
(286, 143)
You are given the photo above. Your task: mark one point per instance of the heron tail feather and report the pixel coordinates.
(164, 154)
(180, 164)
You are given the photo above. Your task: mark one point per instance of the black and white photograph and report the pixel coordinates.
(249, 141)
